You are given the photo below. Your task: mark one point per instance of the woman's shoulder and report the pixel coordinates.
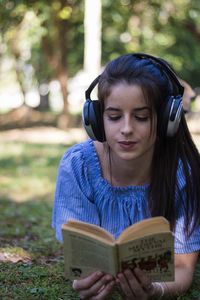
(77, 151)
(79, 156)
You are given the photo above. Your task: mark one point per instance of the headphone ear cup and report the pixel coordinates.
(93, 120)
(172, 116)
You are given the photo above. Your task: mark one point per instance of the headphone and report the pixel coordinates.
(93, 114)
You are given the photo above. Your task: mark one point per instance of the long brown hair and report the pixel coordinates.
(169, 151)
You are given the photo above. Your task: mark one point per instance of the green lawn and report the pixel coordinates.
(35, 262)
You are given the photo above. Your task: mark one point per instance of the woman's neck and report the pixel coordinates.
(126, 173)
(120, 172)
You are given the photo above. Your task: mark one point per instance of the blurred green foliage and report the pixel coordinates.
(170, 29)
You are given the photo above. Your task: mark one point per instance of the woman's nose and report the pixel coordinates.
(126, 128)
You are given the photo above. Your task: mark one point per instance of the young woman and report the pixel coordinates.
(140, 162)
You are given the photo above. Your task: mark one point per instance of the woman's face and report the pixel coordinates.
(127, 123)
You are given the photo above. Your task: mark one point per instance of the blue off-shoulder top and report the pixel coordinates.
(83, 194)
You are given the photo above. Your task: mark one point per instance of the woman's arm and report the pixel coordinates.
(136, 285)
(184, 271)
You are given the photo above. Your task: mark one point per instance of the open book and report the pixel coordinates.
(148, 244)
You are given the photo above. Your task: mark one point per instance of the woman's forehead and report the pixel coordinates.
(127, 94)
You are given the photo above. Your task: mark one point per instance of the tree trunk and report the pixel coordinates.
(92, 44)
(19, 72)
(57, 58)
(19, 75)
(62, 77)
(44, 97)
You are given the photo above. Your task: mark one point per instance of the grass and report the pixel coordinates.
(35, 269)
(33, 266)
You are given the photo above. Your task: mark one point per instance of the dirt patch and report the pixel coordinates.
(44, 135)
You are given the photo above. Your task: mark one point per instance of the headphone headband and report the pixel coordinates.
(165, 67)
(91, 87)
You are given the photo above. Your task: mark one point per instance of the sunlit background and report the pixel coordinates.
(50, 51)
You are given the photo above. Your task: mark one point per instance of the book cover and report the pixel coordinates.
(148, 245)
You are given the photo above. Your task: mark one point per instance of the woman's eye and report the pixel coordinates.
(142, 118)
(113, 118)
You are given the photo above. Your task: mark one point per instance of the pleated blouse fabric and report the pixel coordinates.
(83, 194)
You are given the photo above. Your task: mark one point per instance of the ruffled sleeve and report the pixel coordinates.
(184, 243)
(73, 195)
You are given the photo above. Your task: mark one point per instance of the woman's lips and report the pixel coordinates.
(127, 144)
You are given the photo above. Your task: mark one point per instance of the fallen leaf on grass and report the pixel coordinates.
(10, 255)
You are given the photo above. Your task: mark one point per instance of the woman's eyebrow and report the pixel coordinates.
(110, 108)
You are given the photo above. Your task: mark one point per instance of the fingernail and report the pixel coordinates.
(74, 283)
(109, 277)
(99, 273)
(117, 281)
(119, 275)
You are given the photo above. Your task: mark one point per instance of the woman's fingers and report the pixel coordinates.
(135, 284)
(87, 282)
(128, 283)
(96, 286)
(105, 291)
(144, 280)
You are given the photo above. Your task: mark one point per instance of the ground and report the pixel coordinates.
(31, 260)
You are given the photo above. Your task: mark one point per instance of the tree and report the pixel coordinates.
(59, 21)
(169, 29)
(55, 38)
(92, 45)
(51, 38)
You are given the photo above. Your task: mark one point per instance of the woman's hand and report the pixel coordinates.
(135, 285)
(97, 286)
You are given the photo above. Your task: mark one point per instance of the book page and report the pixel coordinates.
(153, 254)
(143, 228)
(90, 229)
(84, 255)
